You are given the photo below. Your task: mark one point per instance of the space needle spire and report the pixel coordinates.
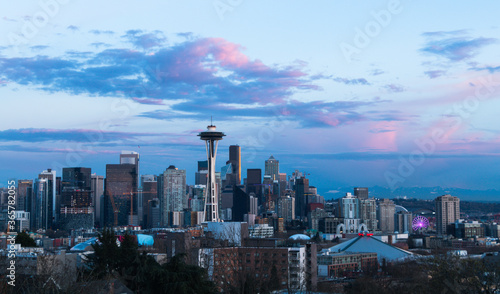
(211, 138)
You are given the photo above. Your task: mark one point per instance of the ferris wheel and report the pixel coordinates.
(420, 222)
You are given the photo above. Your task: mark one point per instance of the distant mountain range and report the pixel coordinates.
(426, 193)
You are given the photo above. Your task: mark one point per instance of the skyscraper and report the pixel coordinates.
(41, 212)
(286, 208)
(282, 183)
(76, 206)
(235, 160)
(227, 176)
(403, 222)
(24, 192)
(241, 204)
(254, 183)
(149, 194)
(386, 210)
(211, 138)
(76, 187)
(120, 194)
(130, 157)
(361, 193)
(174, 193)
(97, 191)
(48, 199)
(368, 208)
(301, 194)
(447, 211)
(272, 168)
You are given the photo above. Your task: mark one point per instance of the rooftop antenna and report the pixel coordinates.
(211, 123)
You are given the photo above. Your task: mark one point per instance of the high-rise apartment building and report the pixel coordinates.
(361, 193)
(368, 208)
(174, 193)
(386, 210)
(286, 208)
(447, 212)
(403, 222)
(272, 168)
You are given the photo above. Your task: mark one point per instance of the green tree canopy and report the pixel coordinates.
(25, 240)
(141, 273)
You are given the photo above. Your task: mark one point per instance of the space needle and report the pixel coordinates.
(211, 138)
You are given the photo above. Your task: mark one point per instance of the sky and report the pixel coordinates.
(387, 93)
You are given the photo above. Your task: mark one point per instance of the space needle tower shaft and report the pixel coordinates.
(211, 210)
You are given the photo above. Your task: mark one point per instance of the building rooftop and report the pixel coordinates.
(369, 244)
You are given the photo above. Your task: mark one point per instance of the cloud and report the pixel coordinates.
(39, 47)
(491, 69)
(333, 192)
(315, 114)
(208, 70)
(203, 76)
(453, 45)
(145, 40)
(149, 101)
(187, 35)
(435, 73)
(73, 28)
(39, 149)
(360, 81)
(441, 34)
(68, 135)
(376, 72)
(379, 131)
(101, 32)
(395, 88)
(100, 44)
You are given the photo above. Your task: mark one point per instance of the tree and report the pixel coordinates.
(182, 278)
(141, 273)
(105, 258)
(25, 240)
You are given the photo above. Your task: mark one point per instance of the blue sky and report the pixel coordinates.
(388, 93)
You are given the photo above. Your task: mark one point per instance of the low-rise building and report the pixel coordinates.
(337, 264)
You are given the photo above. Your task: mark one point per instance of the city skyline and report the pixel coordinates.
(401, 93)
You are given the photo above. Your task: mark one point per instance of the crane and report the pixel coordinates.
(268, 196)
(132, 202)
(115, 209)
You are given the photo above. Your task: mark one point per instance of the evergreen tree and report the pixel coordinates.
(105, 259)
(141, 273)
(25, 240)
